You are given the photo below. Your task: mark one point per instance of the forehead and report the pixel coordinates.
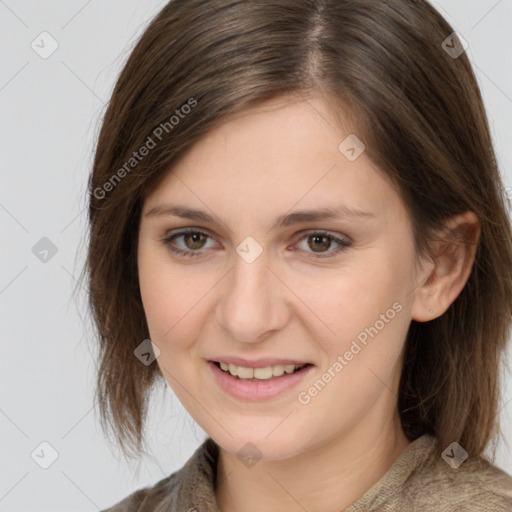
(282, 153)
(281, 130)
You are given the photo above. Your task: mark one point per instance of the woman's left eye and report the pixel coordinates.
(318, 241)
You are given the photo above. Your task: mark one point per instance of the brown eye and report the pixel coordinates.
(194, 240)
(319, 243)
(188, 243)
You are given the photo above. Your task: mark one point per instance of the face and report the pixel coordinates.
(230, 272)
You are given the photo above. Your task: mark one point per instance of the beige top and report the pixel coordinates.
(416, 482)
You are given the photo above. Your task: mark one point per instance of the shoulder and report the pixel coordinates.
(474, 484)
(147, 499)
(193, 484)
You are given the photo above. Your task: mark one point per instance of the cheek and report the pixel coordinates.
(362, 357)
(167, 296)
(346, 302)
(176, 304)
(168, 302)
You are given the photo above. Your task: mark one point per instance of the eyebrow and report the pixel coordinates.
(285, 220)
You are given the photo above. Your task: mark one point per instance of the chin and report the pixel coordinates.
(252, 447)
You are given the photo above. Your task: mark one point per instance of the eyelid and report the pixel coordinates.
(176, 233)
(332, 234)
(343, 241)
(299, 235)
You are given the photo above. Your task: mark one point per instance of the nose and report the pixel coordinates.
(253, 301)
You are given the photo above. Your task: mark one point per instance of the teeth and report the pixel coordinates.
(259, 373)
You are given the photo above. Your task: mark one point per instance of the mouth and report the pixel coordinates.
(260, 374)
(255, 381)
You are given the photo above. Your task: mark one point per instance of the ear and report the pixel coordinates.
(455, 249)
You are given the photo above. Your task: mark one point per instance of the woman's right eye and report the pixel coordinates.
(194, 240)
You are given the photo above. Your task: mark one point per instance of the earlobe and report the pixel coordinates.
(455, 249)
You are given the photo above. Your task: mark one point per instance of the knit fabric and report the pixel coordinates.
(418, 481)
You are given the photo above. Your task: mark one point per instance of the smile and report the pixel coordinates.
(264, 373)
(258, 383)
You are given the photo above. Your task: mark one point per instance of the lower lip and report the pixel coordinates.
(257, 390)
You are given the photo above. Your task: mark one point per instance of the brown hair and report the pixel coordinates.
(420, 114)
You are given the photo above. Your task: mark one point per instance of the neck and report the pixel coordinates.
(327, 478)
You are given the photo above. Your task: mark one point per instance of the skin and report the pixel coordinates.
(279, 157)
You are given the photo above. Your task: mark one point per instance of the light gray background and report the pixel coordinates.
(50, 112)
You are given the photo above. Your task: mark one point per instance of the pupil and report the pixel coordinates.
(316, 238)
(196, 238)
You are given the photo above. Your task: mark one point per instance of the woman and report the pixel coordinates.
(297, 222)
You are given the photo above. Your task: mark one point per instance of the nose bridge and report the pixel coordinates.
(251, 302)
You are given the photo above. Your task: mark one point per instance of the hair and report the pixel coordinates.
(418, 110)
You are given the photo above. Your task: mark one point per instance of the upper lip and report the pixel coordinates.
(257, 363)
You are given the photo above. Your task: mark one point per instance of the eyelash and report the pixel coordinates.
(168, 240)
